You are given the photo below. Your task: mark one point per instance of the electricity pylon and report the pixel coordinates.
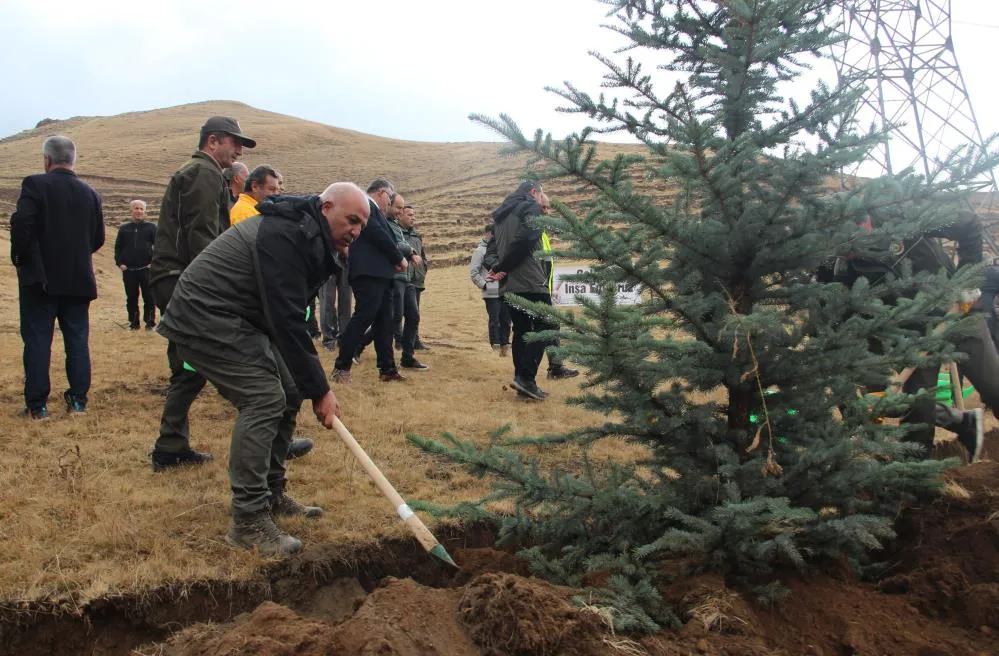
(904, 51)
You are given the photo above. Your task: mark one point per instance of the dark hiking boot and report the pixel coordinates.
(391, 376)
(420, 346)
(259, 531)
(35, 414)
(163, 460)
(971, 434)
(133, 326)
(561, 372)
(529, 389)
(74, 405)
(414, 364)
(284, 506)
(299, 448)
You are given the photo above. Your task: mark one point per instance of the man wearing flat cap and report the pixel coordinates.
(194, 211)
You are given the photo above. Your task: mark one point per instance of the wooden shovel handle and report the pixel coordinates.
(422, 533)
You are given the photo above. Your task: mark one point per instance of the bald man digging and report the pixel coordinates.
(237, 317)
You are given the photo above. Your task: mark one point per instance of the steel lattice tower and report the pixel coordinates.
(904, 51)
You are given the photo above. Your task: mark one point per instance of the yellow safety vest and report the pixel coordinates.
(546, 249)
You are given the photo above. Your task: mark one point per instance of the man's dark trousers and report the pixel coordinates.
(499, 321)
(268, 402)
(334, 307)
(372, 308)
(406, 318)
(39, 312)
(527, 355)
(981, 368)
(185, 385)
(137, 280)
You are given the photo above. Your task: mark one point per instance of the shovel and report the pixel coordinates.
(415, 524)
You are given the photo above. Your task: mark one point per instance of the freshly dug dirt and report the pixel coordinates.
(938, 596)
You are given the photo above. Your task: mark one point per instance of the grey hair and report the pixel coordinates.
(237, 168)
(140, 202)
(338, 190)
(60, 150)
(380, 183)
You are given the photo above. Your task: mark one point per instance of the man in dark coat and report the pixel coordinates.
(373, 261)
(237, 316)
(133, 251)
(56, 228)
(194, 211)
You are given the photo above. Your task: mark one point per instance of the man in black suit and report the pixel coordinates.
(373, 260)
(133, 251)
(56, 228)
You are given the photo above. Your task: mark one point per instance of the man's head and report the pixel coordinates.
(396, 207)
(262, 182)
(408, 217)
(346, 209)
(534, 191)
(236, 176)
(58, 152)
(382, 192)
(222, 138)
(546, 204)
(138, 208)
(487, 232)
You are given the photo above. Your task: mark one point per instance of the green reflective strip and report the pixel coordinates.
(188, 367)
(308, 312)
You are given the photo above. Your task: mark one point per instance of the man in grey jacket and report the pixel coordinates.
(237, 318)
(496, 309)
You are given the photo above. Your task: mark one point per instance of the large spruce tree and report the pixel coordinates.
(739, 375)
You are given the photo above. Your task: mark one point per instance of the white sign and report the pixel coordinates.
(564, 292)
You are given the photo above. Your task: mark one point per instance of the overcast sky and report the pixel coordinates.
(398, 68)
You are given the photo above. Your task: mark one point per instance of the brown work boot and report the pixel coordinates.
(284, 506)
(390, 376)
(260, 531)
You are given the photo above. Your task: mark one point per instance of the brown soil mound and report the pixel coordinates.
(508, 614)
(949, 558)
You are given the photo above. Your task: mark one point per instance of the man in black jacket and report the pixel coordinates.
(56, 228)
(133, 251)
(237, 316)
(373, 261)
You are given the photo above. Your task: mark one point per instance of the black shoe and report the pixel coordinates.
(420, 346)
(299, 448)
(529, 389)
(561, 372)
(163, 460)
(415, 365)
(74, 405)
(972, 433)
(391, 376)
(150, 326)
(134, 326)
(329, 345)
(35, 414)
